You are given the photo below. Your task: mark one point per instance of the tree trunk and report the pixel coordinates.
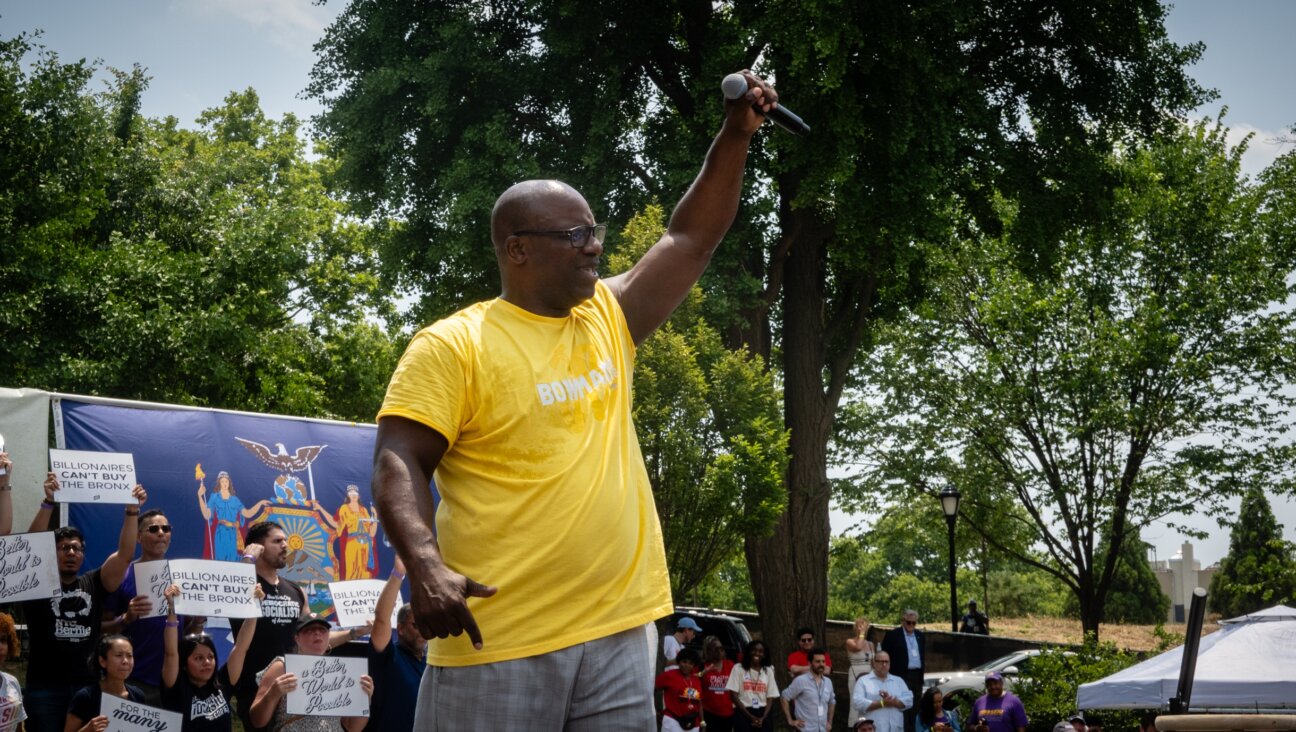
(789, 569)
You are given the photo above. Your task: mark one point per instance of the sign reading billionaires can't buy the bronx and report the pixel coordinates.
(28, 570)
(221, 589)
(356, 600)
(93, 477)
(128, 716)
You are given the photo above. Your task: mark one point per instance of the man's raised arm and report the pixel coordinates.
(405, 455)
(113, 571)
(651, 290)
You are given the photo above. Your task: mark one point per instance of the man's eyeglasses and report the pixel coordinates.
(809, 639)
(578, 236)
(159, 529)
(911, 622)
(71, 549)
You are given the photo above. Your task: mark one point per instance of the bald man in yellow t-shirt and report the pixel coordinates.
(521, 406)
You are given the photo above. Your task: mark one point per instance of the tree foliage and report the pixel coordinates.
(901, 561)
(1259, 570)
(1135, 595)
(1141, 380)
(921, 113)
(708, 424)
(1047, 685)
(147, 261)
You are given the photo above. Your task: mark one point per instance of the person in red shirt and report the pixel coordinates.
(798, 661)
(681, 693)
(717, 704)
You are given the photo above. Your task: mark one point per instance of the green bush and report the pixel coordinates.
(1048, 684)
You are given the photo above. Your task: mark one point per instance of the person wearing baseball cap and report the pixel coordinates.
(270, 709)
(686, 629)
(997, 710)
(863, 724)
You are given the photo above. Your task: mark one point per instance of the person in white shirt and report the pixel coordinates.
(813, 694)
(882, 697)
(685, 631)
(753, 688)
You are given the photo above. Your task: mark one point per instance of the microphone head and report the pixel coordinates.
(734, 86)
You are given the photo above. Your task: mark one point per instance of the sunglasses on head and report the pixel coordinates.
(159, 529)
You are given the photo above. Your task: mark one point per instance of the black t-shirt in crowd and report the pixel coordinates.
(64, 631)
(205, 708)
(274, 630)
(85, 703)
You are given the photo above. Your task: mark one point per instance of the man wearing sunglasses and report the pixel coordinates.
(906, 646)
(798, 661)
(132, 614)
(521, 405)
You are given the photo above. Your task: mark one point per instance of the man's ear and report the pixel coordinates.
(515, 250)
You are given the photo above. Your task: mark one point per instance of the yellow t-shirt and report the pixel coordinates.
(543, 489)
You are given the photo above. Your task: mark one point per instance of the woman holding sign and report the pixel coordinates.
(270, 710)
(197, 691)
(116, 661)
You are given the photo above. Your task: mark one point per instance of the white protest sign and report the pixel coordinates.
(151, 580)
(327, 686)
(128, 716)
(28, 567)
(209, 587)
(356, 600)
(93, 477)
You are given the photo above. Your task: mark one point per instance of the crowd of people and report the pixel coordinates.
(100, 636)
(886, 692)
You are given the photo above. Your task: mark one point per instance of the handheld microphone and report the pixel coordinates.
(735, 85)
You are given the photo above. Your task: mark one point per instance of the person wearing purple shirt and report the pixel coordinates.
(997, 711)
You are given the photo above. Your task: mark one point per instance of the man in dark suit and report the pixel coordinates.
(908, 658)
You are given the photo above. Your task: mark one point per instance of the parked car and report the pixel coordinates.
(1009, 665)
(730, 630)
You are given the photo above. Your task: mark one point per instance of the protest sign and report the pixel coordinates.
(28, 567)
(209, 587)
(93, 477)
(151, 580)
(327, 686)
(128, 716)
(355, 601)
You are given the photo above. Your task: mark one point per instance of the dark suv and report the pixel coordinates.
(730, 630)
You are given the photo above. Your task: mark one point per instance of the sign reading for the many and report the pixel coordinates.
(128, 716)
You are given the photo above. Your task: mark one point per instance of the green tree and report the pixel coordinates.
(901, 561)
(921, 111)
(1086, 397)
(708, 424)
(1135, 595)
(1259, 570)
(207, 266)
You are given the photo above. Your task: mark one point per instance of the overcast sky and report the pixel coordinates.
(197, 51)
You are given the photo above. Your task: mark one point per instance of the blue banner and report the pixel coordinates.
(215, 473)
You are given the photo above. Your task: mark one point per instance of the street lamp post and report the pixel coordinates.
(949, 499)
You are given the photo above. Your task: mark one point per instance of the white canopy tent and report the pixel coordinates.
(1249, 663)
